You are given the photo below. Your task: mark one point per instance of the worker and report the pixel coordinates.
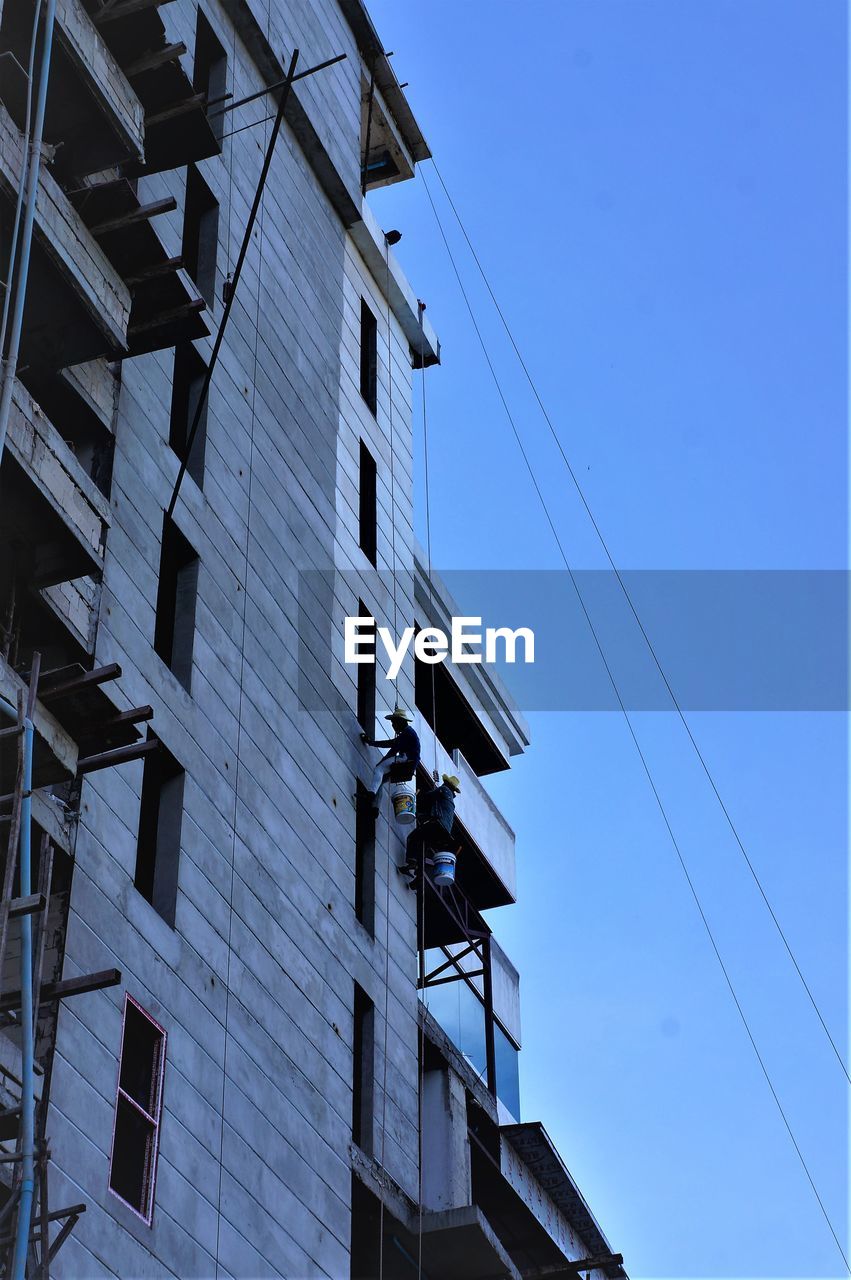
(404, 748)
(436, 815)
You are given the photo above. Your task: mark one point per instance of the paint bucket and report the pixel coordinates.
(444, 868)
(404, 797)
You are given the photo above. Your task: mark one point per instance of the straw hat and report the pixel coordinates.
(399, 713)
(452, 781)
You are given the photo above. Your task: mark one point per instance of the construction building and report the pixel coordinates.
(233, 1042)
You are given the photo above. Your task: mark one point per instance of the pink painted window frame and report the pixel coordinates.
(153, 1118)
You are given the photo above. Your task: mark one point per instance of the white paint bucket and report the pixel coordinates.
(444, 868)
(404, 797)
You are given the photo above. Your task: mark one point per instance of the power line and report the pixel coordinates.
(632, 732)
(641, 627)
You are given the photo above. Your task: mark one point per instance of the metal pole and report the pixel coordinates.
(487, 982)
(10, 364)
(19, 1263)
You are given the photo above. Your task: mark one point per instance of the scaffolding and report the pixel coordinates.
(37, 810)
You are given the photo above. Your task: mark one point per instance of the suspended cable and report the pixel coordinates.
(390, 860)
(245, 568)
(629, 724)
(394, 563)
(421, 312)
(421, 948)
(640, 624)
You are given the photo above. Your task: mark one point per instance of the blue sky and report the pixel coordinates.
(657, 191)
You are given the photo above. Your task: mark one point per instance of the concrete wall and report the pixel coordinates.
(254, 984)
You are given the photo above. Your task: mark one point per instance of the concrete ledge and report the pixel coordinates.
(437, 1037)
(97, 386)
(355, 214)
(76, 604)
(460, 1244)
(476, 811)
(369, 239)
(46, 459)
(107, 83)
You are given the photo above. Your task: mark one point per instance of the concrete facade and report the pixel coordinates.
(253, 978)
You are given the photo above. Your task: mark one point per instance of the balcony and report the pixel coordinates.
(539, 1181)
(176, 126)
(53, 519)
(93, 117)
(487, 865)
(78, 307)
(457, 999)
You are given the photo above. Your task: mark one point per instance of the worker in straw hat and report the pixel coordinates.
(435, 819)
(404, 748)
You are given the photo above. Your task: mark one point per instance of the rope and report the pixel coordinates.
(421, 309)
(635, 615)
(394, 565)
(421, 1084)
(386, 1026)
(390, 861)
(421, 1076)
(629, 724)
(239, 724)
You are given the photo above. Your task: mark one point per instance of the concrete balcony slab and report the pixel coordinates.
(93, 116)
(479, 816)
(53, 519)
(78, 307)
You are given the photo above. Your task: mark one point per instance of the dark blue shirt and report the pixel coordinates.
(407, 744)
(438, 805)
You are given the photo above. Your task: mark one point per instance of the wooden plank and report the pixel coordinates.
(163, 268)
(133, 716)
(176, 109)
(120, 755)
(100, 675)
(27, 906)
(155, 58)
(142, 214)
(166, 317)
(53, 991)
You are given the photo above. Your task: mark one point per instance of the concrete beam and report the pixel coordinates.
(369, 238)
(460, 1244)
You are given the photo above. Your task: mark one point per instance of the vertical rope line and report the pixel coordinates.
(239, 720)
(390, 860)
(231, 145)
(394, 567)
(389, 822)
(421, 310)
(421, 1072)
(386, 1027)
(421, 1081)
